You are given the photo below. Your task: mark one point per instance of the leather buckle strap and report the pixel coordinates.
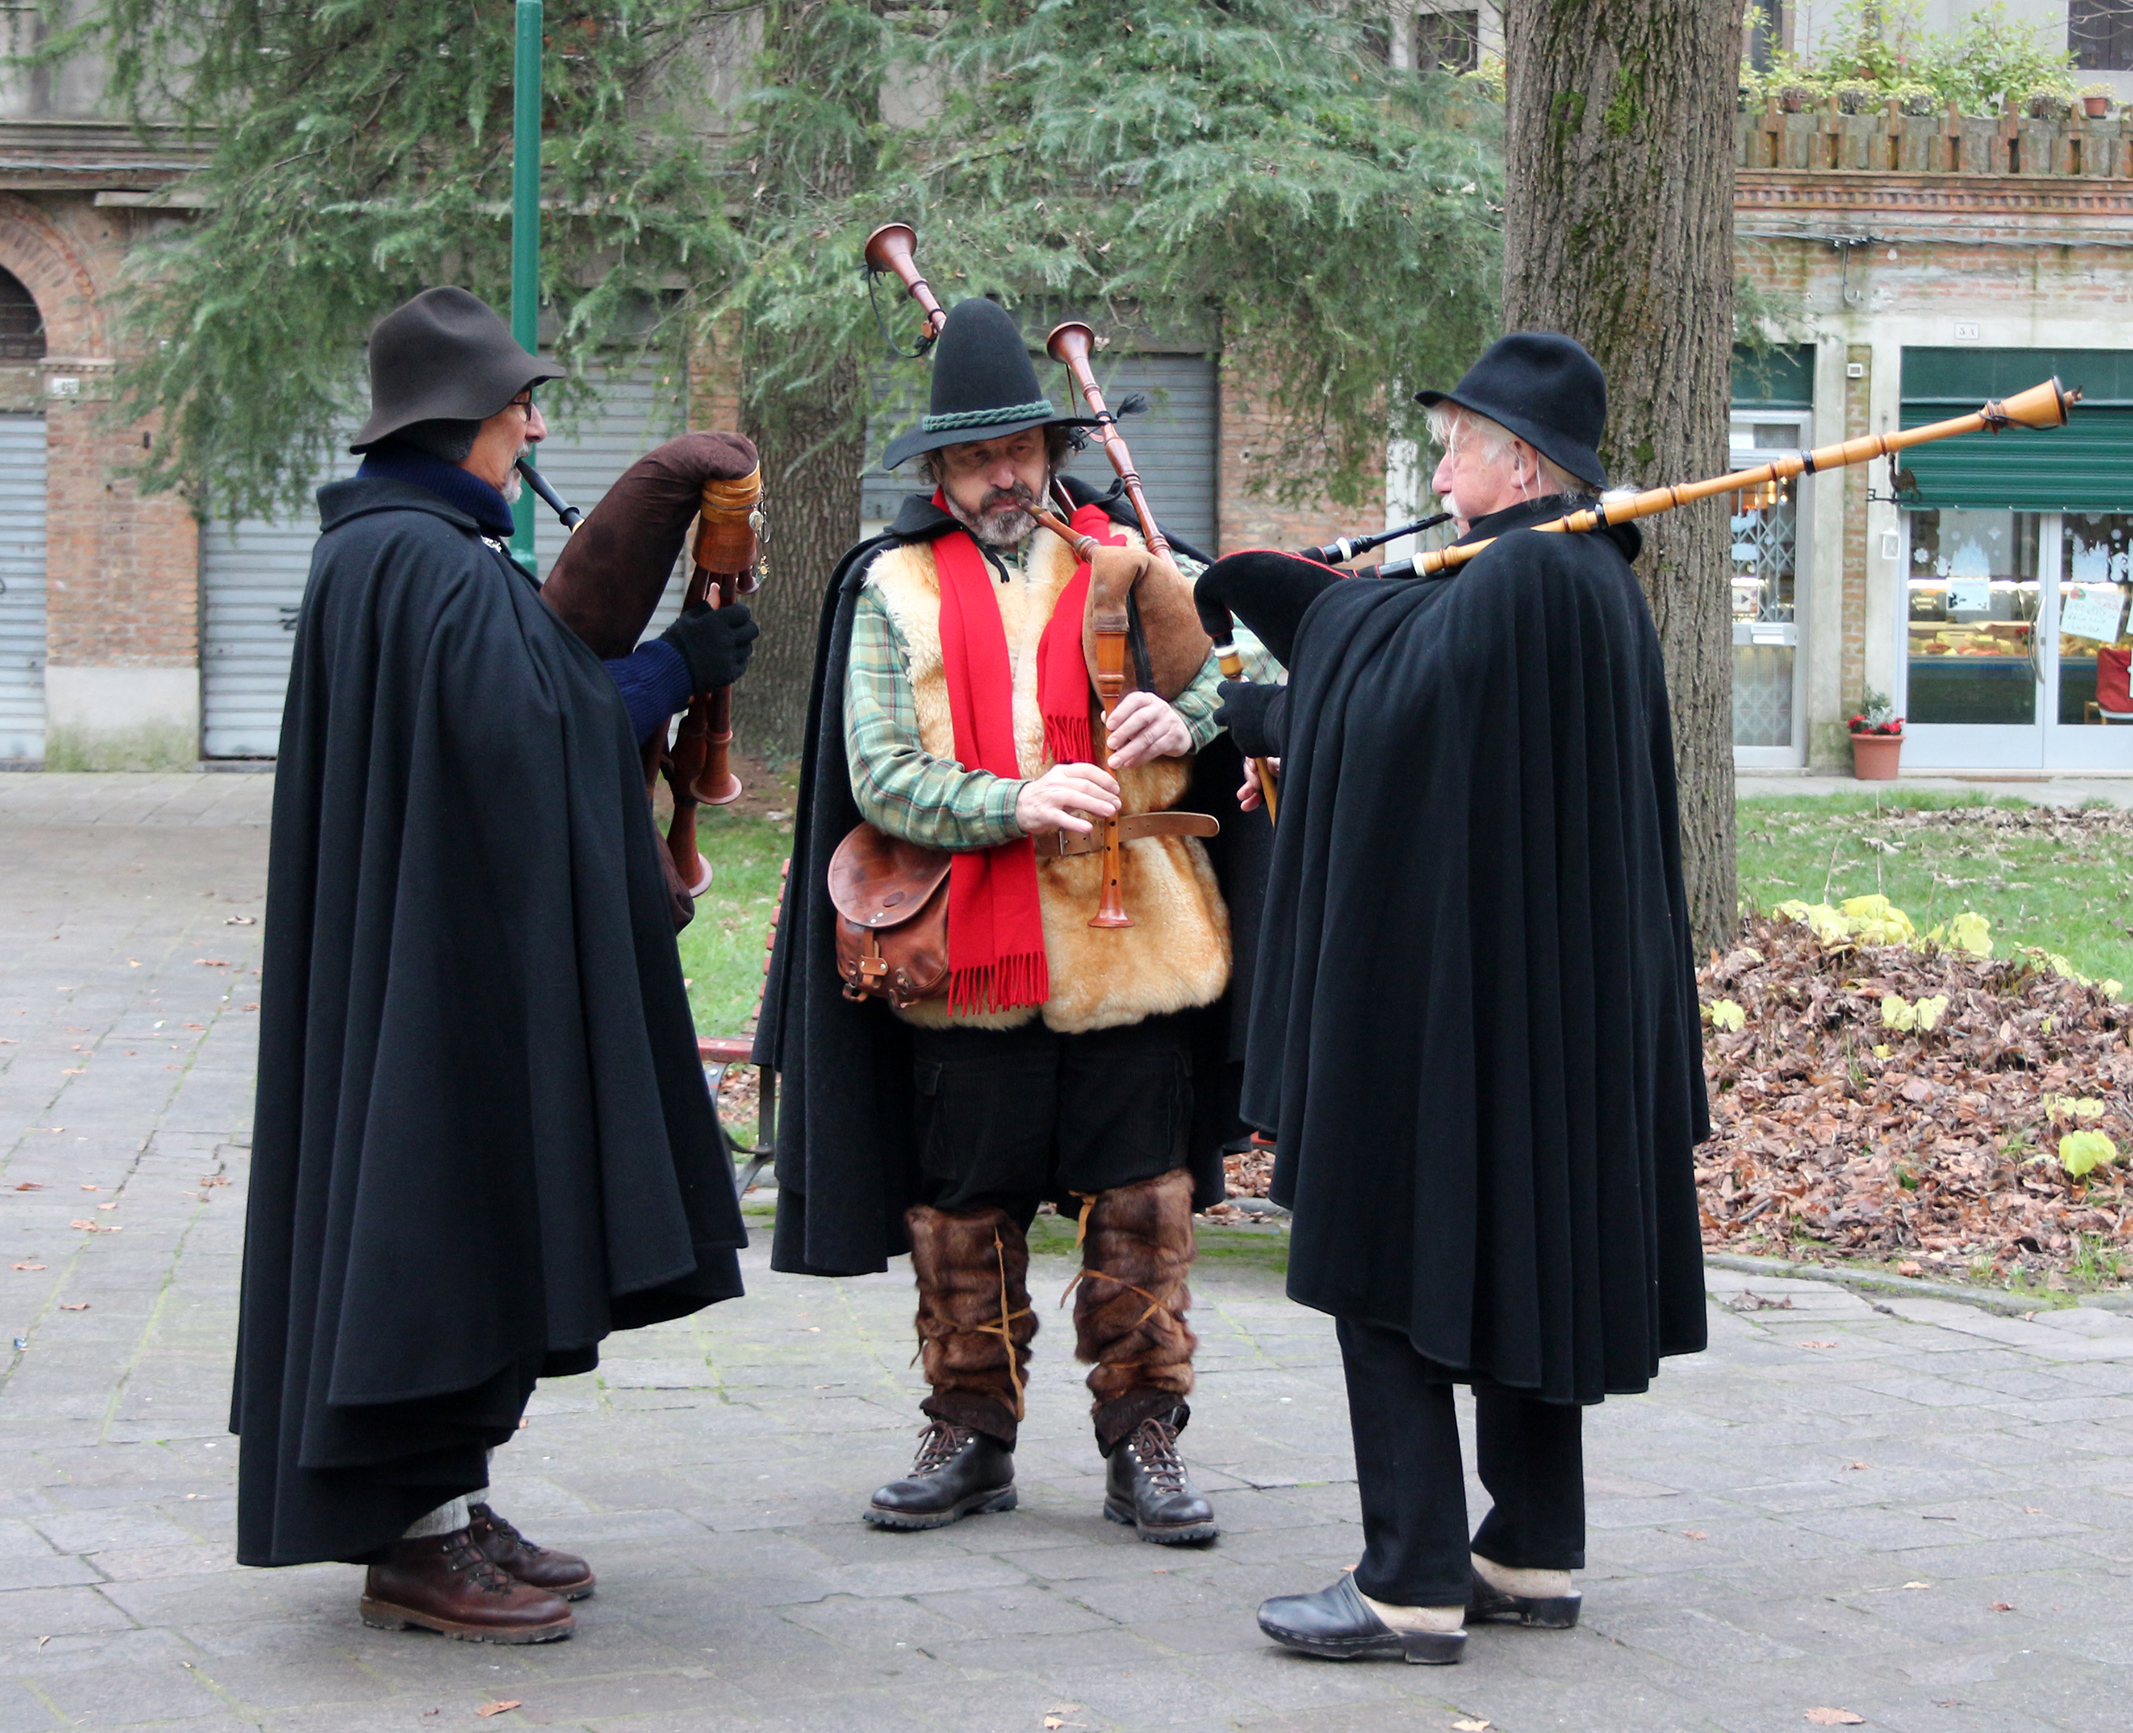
(1054, 845)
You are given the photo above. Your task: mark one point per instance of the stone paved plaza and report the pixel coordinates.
(1907, 1509)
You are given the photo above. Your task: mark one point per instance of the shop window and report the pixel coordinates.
(2100, 32)
(2095, 589)
(1973, 590)
(1447, 41)
(21, 325)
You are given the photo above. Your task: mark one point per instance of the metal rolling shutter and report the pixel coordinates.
(21, 586)
(253, 573)
(1174, 443)
(2087, 465)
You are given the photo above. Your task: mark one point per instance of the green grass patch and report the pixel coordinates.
(722, 949)
(1231, 1250)
(2067, 887)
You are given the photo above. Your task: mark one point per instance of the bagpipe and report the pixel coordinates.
(607, 582)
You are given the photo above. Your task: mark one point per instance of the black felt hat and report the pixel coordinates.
(445, 356)
(984, 385)
(1544, 388)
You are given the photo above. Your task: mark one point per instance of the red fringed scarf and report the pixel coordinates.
(995, 926)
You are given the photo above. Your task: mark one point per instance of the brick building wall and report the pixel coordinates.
(1247, 513)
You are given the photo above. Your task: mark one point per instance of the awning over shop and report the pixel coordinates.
(2085, 466)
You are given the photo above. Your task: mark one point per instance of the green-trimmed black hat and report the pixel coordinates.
(984, 385)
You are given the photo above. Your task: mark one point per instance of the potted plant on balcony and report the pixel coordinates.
(1877, 739)
(1919, 101)
(2096, 100)
(1857, 95)
(2050, 102)
(1795, 93)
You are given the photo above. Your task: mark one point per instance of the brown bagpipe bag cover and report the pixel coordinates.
(607, 581)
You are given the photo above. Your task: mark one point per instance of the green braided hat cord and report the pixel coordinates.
(986, 417)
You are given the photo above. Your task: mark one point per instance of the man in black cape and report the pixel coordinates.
(482, 1138)
(1475, 1027)
(939, 1129)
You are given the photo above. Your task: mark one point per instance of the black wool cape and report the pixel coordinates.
(847, 1162)
(1475, 1028)
(482, 1137)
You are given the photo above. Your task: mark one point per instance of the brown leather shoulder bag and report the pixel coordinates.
(891, 898)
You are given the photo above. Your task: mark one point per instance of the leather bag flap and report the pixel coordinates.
(879, 881)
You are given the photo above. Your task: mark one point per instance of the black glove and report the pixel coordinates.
(715, 642)
(1257, 717)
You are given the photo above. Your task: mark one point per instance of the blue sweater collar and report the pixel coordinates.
(455, 486)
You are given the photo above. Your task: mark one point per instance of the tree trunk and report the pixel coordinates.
(811, 467)
(1619, 231)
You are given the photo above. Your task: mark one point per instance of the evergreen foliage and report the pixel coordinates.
(361, 152)
(1243, 166)
(1162, 164)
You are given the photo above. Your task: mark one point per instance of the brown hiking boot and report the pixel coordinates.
(560, 1573)
(442, 1583)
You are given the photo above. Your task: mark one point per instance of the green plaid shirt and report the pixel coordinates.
(903, 789)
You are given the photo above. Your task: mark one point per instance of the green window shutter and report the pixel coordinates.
(1782, 377)
(2087, 465)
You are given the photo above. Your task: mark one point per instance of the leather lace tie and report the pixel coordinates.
(939, 1445)
(1002, 1327)
(1155, 1447)
(1081, 1230)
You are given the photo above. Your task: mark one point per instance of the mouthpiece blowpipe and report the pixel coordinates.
(569, 514)
(1342, 549)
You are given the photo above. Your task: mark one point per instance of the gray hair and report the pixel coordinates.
(1452, 424)
(451, 440)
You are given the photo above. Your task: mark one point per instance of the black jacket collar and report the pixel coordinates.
(1527, 513)
(340, 502)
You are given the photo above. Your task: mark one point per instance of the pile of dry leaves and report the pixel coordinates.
(1850, 1112)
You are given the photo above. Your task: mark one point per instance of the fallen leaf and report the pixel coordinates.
(74, 1071)
(1835, 1718)
(1470, 1727)
(29, 1185)
(2033, 1510)
(73, 1305)
(82, 1224)
(1694, 1534)
(2001, 1607)
(214, 1179)
(1851, 1465)
(1918, 1585)
(1818, 1344)
(113, 1204)
(92, 1188)
(219, 963)
(29, 1266)
(1910, 1267)
(498, 1708)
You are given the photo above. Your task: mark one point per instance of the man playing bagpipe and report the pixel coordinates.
(1060, 1062)
(482, 1139)
(1475, 1027)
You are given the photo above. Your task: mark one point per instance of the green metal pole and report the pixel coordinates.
(526, 229)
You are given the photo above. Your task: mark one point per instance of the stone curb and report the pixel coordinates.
(1874, 1281)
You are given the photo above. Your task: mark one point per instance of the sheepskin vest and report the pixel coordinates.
(1176, 954)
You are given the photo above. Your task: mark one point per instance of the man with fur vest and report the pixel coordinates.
(953, 710)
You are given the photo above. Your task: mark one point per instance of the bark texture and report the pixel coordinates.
(812, 460)
(1619, 231)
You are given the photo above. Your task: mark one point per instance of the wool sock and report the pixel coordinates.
(445, 1519)
(1532, 1585)
(1412, 1619)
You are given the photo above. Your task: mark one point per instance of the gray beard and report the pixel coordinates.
(514, 484)
(1005, 526)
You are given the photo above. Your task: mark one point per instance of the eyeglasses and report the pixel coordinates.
(524, 401)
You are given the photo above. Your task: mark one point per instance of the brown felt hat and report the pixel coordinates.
(445, 356)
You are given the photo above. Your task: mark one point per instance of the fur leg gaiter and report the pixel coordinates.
(974, 1317)
(1130, 1301)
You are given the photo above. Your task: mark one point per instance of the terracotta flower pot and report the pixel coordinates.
(2096, 107)
(1874, 756)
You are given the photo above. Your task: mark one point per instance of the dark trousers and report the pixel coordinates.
(1413, 1484)
(1015, 1117)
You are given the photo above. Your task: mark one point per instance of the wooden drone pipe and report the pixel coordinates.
(891, 248)
(1073, 343)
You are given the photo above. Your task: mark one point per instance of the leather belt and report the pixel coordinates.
(1054, 844)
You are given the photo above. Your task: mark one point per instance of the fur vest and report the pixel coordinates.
(1176, 955)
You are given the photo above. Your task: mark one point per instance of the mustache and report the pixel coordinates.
(1019, 495)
